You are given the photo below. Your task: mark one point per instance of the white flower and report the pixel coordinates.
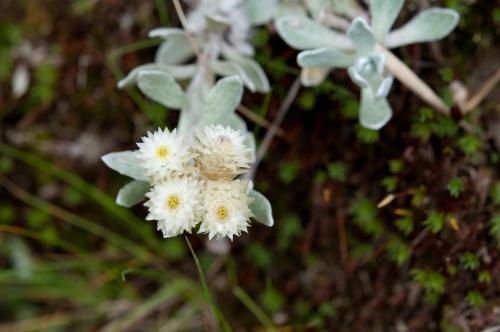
(163, 153)
(221, 152)
(225, 204)
(175, 204)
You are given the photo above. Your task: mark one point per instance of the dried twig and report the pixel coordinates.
(258, 119)
(285, 106)
(404, 74)
(183, 19)
(485, 89)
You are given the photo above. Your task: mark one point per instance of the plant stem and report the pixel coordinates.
(215, 310)
(285, 106)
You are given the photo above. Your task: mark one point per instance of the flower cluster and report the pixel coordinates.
(195, 183)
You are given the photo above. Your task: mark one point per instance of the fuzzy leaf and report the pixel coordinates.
(132, 193)
(362, 36)
(357, 78)
(374, 112)
(384, 87)
(126, 163)
(179, 72)
(249, 70)
(261, 11)
(429, 25)
(222, 99)
(175, 49)
(383, 14)
(325, 58)
(233, 121)
(302, 33)
(162, 88)
(261, 208)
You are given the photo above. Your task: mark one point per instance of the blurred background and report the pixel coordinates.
(426, 259)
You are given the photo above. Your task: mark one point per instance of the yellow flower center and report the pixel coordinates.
(162, 152)
(173, 202)
(222, 213)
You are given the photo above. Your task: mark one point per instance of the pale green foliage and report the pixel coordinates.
(327, 48)
(126, 163)
(261, 208)
(132, 193)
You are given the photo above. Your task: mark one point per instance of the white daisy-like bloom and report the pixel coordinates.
(175, 205)
(221, 152)
(163, 153)
(225, 204)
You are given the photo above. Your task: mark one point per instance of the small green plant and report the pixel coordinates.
(495, 193)
(469, 261)
(395, 166)
(484, 277)
(365, 215)
(474, 298)
(495, 227)
(337, 170)
(435, 221)
(455, 187)
(405, 224)
(469, 145)
(366, 135)
(398, 251)
(290, 229)
(272, 299)
(431, 281)
(288, 171)
(390, 183)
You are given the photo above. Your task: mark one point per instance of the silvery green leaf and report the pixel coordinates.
(165, 33)
(348, 8)
(261, 208)
(384, 87)
(290, 8)
(250, 142)
(179, 72)
(126, 163)
(317, 7)
(131, 77)
(383, 14)
(162, 88)
(362, 36)
(176, 47)
(379, 60)
(217, 22)
(132, 193)
(233, 121)
(261, 11)
(326, 58)
(249, 70)
(313, 76)
(302, 33)
(374, 112)
(222, 99)
(428, 25)
(357, 78)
